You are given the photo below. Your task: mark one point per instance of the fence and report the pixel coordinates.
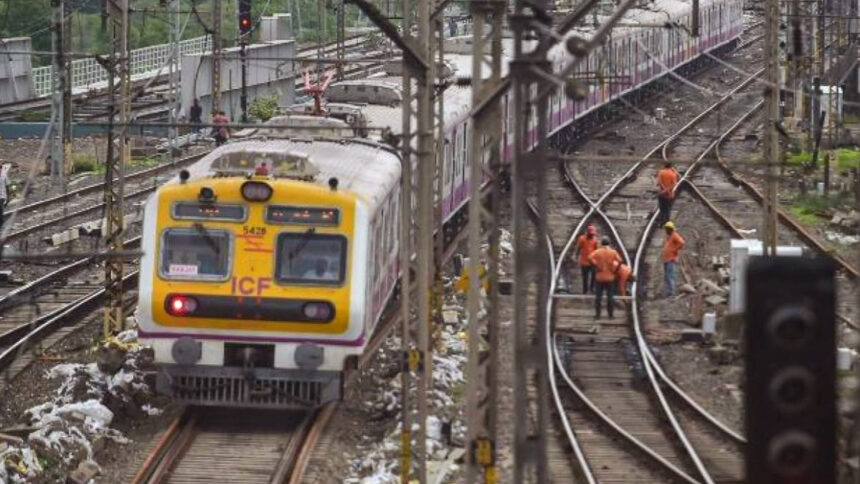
(87, 73)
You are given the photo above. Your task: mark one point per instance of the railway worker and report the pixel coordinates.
(667, 180)
(585, 245)
(606, 261)
(320, 271)
(195, 115)
(220, 120)
(262, 170)
(671, 251)
(625, 276)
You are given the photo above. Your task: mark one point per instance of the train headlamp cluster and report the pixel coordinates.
(318, 311)
(254, 191)
(179, 305)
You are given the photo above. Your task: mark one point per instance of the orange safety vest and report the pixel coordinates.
(667, 178)
(672, 247)
(623, 275)
(586, 246)
(606, 262)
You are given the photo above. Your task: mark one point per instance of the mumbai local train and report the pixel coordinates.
(268, 263)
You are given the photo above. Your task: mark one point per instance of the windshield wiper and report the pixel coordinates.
(207, 237)
(306, 237)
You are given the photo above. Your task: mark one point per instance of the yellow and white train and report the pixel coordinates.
(260, 283)
(268, 268)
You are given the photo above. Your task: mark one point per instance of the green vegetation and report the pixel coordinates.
(85, 163)
(264, 107)
(846, 159)
(150, 24)
(798, 158)
(810, 208)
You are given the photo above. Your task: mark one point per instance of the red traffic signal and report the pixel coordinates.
(244, 16)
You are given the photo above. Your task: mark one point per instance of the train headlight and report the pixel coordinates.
(318, 311)
(253, 191)
(179, 305)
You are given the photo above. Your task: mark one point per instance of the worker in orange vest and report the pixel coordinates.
(606, 262)
(671, 251)
(667, 180)
(585, 245)
(625, 275)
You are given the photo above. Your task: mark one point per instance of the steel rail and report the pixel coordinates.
(595, 209)
(10, 298)
(55, 319)
(97, 187)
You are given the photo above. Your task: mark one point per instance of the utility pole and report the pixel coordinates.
(418, 169)
(341, 39)
(771, 144)
(61, 158)
(119, 92)
(245, 26)
(174, 78)
(216, 55)
(531, 272)
(320, 36)
(485, 158)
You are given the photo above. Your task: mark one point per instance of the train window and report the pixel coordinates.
(309, 258)
(197, 253)
(202, 211)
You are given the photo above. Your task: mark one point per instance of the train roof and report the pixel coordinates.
(367, 169)
(458, 99)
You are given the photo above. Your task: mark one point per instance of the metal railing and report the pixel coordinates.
(87, 73)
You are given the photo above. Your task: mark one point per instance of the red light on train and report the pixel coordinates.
(256, 191)
(178, 305)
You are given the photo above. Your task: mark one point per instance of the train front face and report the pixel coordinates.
(253, 293)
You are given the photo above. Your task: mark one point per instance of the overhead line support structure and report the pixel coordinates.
(771, 144)
(216, 54)
(118, 151)
(418, 153)
(485, 156)
(61, 155)
(531, 267)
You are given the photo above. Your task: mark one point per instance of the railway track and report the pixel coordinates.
(53, 303)
(593, 359)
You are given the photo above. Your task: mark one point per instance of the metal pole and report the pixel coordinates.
(341, 39)
(243, 55)
(771, 144)
(531, 269)
(119, 88)
(216, 55)
(58, 153)
(485, 159)
(417, 234)
(174, 70)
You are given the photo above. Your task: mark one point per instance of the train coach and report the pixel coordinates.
(269, 266)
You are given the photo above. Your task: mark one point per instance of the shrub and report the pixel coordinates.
(264, 107)
(82, 163)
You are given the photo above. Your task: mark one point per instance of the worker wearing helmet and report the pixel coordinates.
(585, 245)
(671, 251)
(667, 180)
(606, 262)
(625, 275)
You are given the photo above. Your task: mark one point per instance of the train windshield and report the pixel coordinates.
(196, 253)
(309, 258)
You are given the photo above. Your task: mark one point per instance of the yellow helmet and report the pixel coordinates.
(669, 225)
